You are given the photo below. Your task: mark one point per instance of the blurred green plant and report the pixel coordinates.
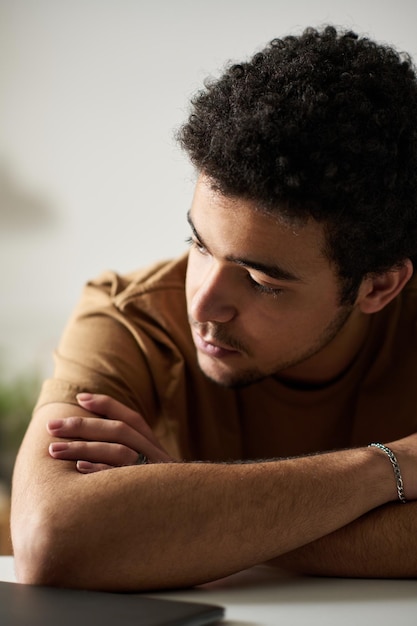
(17, 399)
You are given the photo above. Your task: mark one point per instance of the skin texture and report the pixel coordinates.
(169, 524)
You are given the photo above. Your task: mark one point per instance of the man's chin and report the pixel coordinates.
(233, 379)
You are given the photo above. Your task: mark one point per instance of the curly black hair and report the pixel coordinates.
(320, 125)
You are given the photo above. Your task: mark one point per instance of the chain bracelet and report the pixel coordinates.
(395, 467)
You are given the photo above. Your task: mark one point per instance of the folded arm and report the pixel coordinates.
(380, 544)
(179, 524)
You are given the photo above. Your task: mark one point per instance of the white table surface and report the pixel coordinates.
(262, 596)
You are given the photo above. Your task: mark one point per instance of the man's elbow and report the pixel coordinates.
(41, 554)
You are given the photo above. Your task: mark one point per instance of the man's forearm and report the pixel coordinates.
(177, 524)
(380, 544)
(183, 524)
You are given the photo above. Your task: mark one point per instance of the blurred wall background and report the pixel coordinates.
(91, 92)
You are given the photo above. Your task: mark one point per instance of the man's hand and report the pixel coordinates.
(98, 444)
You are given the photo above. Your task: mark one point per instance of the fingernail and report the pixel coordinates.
(58, 446)
(55, 424)
(84, 397)
(84, 467)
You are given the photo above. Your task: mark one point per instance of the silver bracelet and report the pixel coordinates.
(396, 468)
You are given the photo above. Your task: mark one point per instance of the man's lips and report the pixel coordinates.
(212, 347)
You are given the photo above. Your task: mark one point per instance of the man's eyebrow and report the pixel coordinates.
(273, 271)
(193, 228)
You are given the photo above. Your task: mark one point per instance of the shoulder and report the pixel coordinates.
(122, 332)
(122, 289)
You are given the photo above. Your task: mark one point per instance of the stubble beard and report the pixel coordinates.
(244, 378)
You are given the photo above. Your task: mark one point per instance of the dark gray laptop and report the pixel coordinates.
(26, 605)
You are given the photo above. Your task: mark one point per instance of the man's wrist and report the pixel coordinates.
(384, 470)
(396, 469)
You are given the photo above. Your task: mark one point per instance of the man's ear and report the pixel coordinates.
(376, 291)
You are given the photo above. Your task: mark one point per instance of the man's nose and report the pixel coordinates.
(214, 299)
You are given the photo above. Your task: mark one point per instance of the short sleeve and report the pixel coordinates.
(103, 350)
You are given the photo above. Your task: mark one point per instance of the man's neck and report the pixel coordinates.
(330, 363)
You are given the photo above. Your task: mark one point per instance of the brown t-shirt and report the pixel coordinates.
(129, 338)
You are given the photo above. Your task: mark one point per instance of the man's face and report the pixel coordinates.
(262, 298)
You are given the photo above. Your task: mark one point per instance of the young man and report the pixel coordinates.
(250, 375)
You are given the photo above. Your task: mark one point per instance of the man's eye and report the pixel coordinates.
(272, 291)
(196, 244)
